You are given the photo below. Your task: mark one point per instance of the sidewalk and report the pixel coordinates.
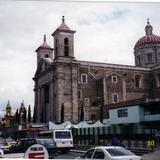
(152, 156)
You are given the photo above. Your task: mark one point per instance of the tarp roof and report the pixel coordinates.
(68, 125)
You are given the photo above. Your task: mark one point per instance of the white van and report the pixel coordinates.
(62, 137)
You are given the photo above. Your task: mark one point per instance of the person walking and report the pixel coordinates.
(114, 141)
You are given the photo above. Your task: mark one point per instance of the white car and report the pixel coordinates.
(109, 153)
(1, 153)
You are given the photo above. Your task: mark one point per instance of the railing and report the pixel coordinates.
(128, 136)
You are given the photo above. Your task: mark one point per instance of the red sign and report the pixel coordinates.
(34, 155)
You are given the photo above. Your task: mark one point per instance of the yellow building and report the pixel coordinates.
(8, 115)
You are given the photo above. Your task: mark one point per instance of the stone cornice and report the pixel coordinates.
(114, 66)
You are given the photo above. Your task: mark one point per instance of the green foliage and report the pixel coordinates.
(24, 117)
(17, 118)
(82, 114)
(29, 114)
(101, 114)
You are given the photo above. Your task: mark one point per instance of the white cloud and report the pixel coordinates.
(105, 31)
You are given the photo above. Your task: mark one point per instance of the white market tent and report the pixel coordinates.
(68, 125)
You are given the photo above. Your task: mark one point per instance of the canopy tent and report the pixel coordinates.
(68, 125)
(59, 126)
(97, 124)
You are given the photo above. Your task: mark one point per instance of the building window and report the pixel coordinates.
(149, 58)
(138, 60)
(66, 47)
(158, 80)
(122, 112)
(115, 98)
(83, 78)
(79, 94)
(93, 117)
(46, 56)
(114, 79)
(86, 102)
(138, 81)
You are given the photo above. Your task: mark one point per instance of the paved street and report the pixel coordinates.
(152, 156)
(71, 155)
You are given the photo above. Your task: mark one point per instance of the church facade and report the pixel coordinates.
(61, 79)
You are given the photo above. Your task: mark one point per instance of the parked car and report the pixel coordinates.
(5, 147)
(109, 153)
(50, 145)
(1, 153)
(22, 145)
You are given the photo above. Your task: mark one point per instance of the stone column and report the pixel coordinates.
(38, 104)
(104, 91)
(60, 90)
(42, 111)
(124, 89)
(74, 77)
(36, 109)
(51, 101)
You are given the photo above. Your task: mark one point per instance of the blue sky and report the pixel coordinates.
(105, 32)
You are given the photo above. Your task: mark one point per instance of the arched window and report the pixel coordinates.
(93, 118)
(115, 98)
(79, 94)
(149, 58)
(86, 101)
(114, 79)
(66, 47)
(66, 41)
(84, 78)
(46, 56)
(138, 60)
(138, 81)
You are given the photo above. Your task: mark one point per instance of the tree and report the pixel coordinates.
(24, 117)
(101, 114)
(34, 115)
(62, 113)
(19, 117)
(82, 114)
(16, 117)
(29, 114)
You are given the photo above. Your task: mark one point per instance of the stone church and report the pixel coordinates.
(61, 79)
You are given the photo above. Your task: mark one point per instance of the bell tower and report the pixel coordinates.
(44, 51)
(63, 41)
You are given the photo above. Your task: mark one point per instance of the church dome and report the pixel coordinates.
(149, 38)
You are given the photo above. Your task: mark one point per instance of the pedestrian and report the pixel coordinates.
(114, 141)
